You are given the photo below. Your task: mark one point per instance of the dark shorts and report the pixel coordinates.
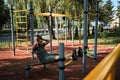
(49, 58)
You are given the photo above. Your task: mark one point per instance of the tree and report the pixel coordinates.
(4, 13)
(71, 7)
(118, 12)
(91, 9)
(106, 11)
(76, 32)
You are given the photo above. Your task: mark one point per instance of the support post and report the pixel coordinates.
(85, 44)
(56, 25)
(72, 31)
(27, 68)
(50, 26)
(80, 29)
(31, 28)
(96, 32)
(12, 30)
(65, 29)
(61, 61)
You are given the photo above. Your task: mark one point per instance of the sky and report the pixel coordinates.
(115, 3)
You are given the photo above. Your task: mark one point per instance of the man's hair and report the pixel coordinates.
(38, 38)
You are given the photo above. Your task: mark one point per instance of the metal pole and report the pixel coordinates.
(65, 29)
(80, 31)
(96, 32)
(61, 62)
(31, 28)
(50, 25)
(56, 25)
(12, 30)
(72, 32)
(85, 45)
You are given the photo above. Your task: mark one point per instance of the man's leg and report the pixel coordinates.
(50, 58)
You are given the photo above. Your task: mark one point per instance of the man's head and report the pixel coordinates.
(39, 37)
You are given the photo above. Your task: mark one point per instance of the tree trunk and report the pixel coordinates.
(93, 30)
(47, 21)
(69, 29)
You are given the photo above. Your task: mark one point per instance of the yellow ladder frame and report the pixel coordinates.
(20, 28)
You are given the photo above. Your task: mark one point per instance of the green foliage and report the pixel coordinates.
(4, 13)
(106, 13)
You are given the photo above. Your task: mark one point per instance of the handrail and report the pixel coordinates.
(105, 69)
(53, 14)
(21, 11)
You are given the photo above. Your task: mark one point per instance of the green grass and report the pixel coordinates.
(104, 38)
(107, 38)
(5, 44)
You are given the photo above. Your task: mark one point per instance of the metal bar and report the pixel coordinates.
(50, 25)
(61, 62)
(68, 62)
(105, 69)
(31, 27)
(85, 45)
(21, 11)
(56, 25)
(65, 29)
(72, 32)
(12, 30)
(96, 32)
(21, 22)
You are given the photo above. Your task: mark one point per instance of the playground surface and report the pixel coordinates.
(13, 67)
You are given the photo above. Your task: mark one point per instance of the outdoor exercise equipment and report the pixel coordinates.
(31, 27)
(96, 32)
(62, 65)
(21, 26)
(85, 43)
(61, 62)
(22, 29)
(12, 30)
(50, 14)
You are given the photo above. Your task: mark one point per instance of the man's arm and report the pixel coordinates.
(34, 46)
(46, 41)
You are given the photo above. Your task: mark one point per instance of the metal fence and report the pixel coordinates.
(5, 40)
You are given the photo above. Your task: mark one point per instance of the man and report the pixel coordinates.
(39, 50)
